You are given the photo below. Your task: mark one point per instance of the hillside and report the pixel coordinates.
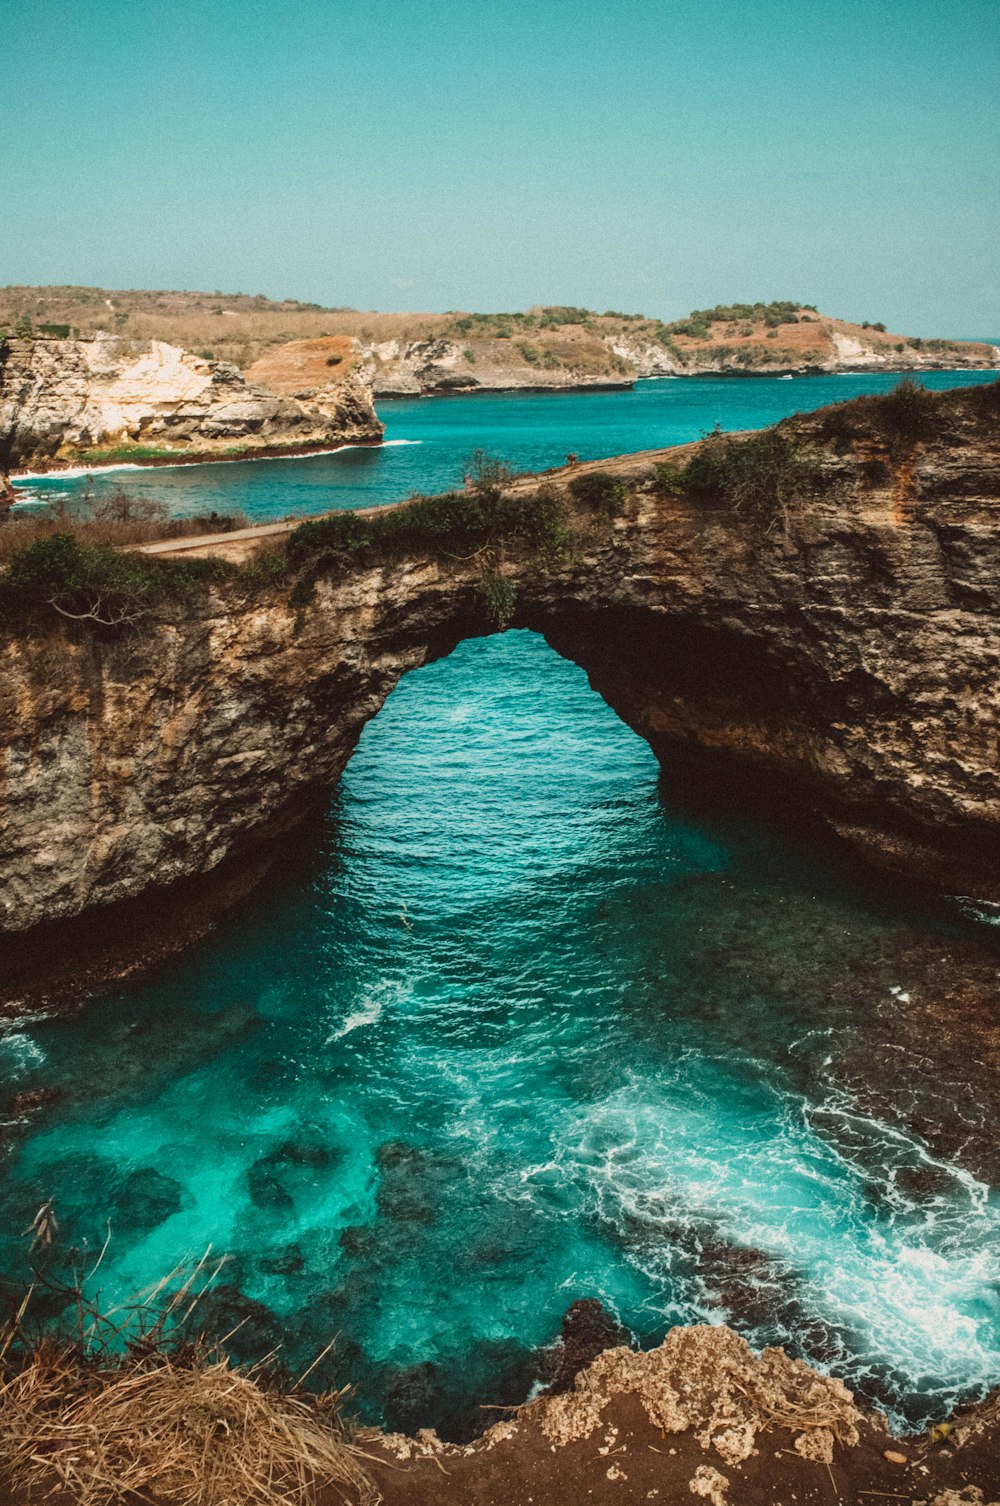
(551, 347)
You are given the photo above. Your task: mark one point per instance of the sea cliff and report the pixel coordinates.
(87, 401)
(548, 347)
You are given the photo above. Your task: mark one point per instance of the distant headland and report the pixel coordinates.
(90, 376)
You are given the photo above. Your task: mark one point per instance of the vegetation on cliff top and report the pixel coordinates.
(60, 577)
(759, 475)
(68, 567)
(479, 523)
(906, 416)
(68, 563)
(241, 329)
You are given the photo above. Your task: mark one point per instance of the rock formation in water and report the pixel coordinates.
(699, 1417)
(842, 662)
(68, 402)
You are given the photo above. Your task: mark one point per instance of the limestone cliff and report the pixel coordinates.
(846, 663)
(79, 401)
(609, 351)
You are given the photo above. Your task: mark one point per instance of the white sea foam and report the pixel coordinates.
(369, 1014)
(916, 1288)
(20, 1051)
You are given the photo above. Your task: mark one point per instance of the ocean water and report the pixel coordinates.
(513, 1027)
(518, 1024)
(429, 441)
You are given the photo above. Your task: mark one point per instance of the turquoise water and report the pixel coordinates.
(516, 1025)
(513, 1028)
(429, 441)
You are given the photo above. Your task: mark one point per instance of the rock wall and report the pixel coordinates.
(847, 666)
(617, 358)
(61, 400)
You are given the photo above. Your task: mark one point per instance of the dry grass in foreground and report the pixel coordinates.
(126, 1407)
(116, 520)
(181, 1430)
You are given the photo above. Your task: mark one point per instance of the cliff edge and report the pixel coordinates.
(550, 347)
(107, 399)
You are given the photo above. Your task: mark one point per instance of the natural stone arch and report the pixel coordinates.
(847, 663)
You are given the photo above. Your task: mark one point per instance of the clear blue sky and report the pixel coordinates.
(651, 155)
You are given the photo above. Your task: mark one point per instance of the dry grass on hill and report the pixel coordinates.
(242, 329)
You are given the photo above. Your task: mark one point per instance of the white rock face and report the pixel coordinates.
(61, 398)
(851, 352)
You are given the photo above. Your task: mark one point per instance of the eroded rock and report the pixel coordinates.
(61, 400)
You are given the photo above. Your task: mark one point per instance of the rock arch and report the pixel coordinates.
(848, 664)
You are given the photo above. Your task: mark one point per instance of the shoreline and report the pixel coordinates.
(170, 462)
(72, 470)
(776, 373)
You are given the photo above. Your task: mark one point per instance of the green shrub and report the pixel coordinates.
(759, 475)
(455, 524)
(901, 418)
(500, 595)
(985, 401)
(601, 491)
(58, 577)
(699, 322)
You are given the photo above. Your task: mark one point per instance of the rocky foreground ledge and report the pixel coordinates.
(699, 1418)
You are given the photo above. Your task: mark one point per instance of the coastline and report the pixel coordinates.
(208, 457)
(740, 373)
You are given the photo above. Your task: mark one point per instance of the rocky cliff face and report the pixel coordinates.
(603, 352)
(846, 665)
(65, 401)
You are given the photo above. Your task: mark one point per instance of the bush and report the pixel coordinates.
(117, 519)
(759, 475)
(500, 596)
(457, 523)
(698, 323)
(901, 418)
(601, 491)
(58, 577)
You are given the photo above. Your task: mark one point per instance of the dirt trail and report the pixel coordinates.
(241, 543)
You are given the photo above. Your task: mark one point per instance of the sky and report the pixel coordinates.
(648, 156)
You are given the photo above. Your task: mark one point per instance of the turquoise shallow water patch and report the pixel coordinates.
(515, 1029)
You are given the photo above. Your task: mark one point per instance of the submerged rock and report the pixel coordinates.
(412, 1182)
(147, 1198)
(294, 1165)
(587, 1330)
(253, 1328)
